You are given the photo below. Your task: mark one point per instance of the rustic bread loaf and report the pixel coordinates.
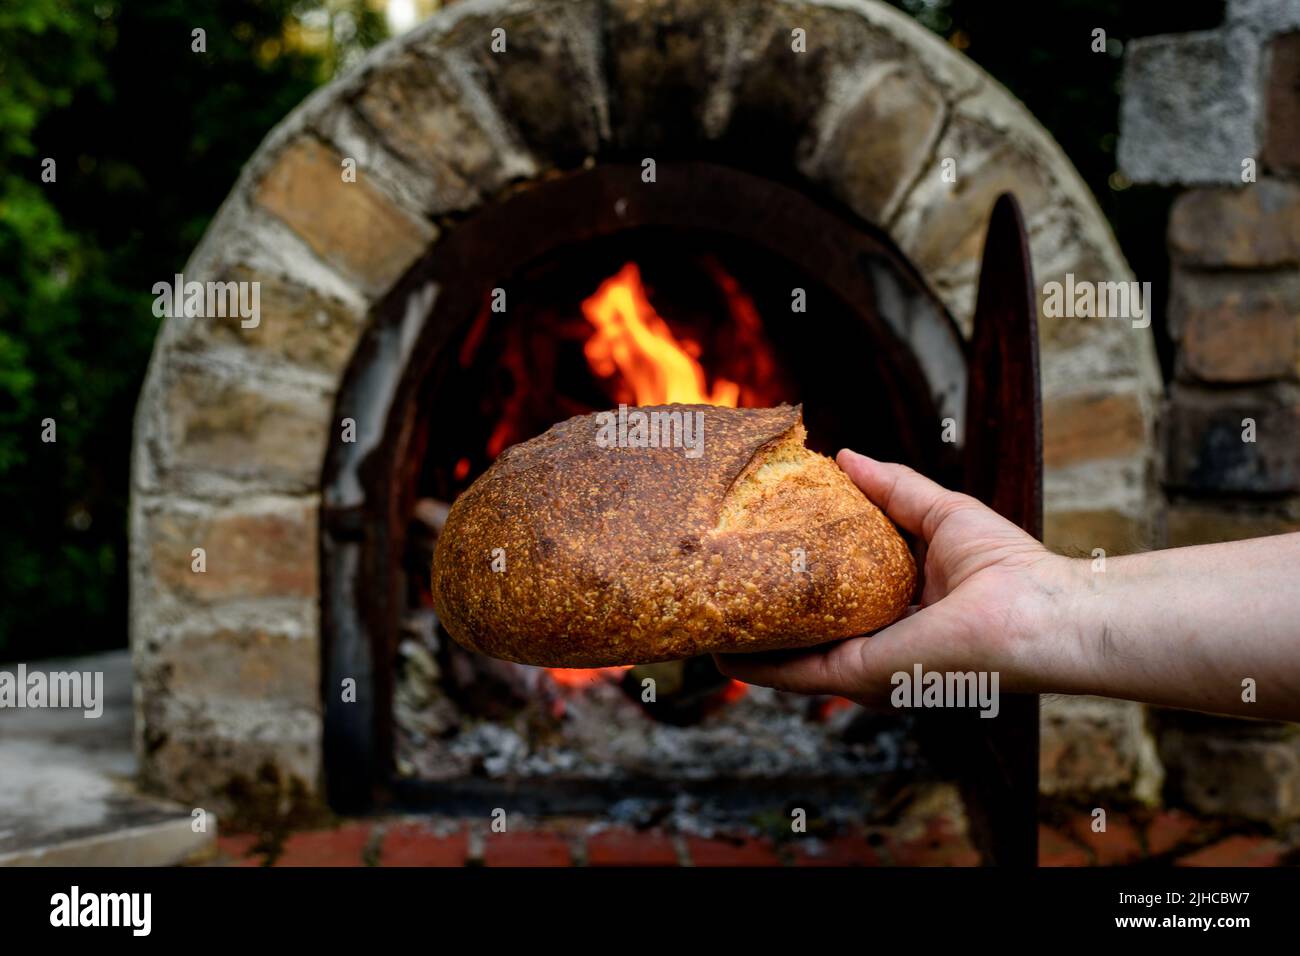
(580, 548)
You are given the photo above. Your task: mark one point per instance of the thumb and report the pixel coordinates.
(911, 500)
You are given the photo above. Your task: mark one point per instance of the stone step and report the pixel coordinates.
(67, 796)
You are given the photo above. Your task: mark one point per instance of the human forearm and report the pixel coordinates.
(1184, 628)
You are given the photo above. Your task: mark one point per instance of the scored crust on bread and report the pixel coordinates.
(570, 553)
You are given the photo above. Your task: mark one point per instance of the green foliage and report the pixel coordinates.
(148, 136)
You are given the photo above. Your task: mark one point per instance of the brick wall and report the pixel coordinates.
(1234, 318)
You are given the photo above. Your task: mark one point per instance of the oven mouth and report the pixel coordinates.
(411, 382)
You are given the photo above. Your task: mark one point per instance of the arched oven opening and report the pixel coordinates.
(572, 295)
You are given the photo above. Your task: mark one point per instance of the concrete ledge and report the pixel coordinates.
(169, 842)
(67, 794)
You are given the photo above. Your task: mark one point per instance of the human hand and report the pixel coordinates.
(989, 590)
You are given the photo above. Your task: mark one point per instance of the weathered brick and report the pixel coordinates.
(412, 844)
(257, 773)
(777, 98)
(1240, 850)
(1062, 335)
(1207, 522)
(942, 843)
(237, 850)
(1256, 225)
(298, 325)
(1234, 327)
(1057, 849)
(526, 848)
(260, 552)
(882, 141)
(422, 114)
(621, 846)
(1282, 117)
(249, 664)
(1247, 774)
(244, 430)
(1092, 745)
(1116, 845)
(754, 851)
(943, 223)
(1205, 440)
(842, 850)
(1170, 829)
(342, 847)
(547, 83)
(351, 225)
(663, 57)
(1091, 426)
(1077, 533)
(1190, 109)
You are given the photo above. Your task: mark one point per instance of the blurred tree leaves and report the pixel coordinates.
(148, 137)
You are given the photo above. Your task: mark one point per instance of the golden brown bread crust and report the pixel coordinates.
(618, 555)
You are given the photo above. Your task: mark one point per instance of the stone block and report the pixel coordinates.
(1077, 533)
(1090, 426)
(1192, 523)
(1097, 746)
(421, 111)
(1207, 446)
(1252, 773)
(1254, 226)
(268, 781)
(797, 81)
(298, 325)
(250, 664)
(351, 225)
(1282, 117)
(258, 549)
(1238, 851)
(1264, 17)
(1236, 327)
(945, 217)
(547, 83)
(271, 435)
(669, 63)
(1190, 107)
(882, 141)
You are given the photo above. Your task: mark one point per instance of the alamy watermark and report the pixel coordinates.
(209, 300)
(946, 689)
(134, 911)
(1084, 299)
(78, 690)
(638, 428)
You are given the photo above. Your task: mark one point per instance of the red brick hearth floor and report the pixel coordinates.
(1160, 838)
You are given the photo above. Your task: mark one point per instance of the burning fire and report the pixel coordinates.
(582, 676)
(631, 340)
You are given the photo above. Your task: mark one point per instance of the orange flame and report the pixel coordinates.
(582, 676)
(735, 690)
(632, 340)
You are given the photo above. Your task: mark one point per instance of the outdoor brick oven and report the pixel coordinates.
(794, 146)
